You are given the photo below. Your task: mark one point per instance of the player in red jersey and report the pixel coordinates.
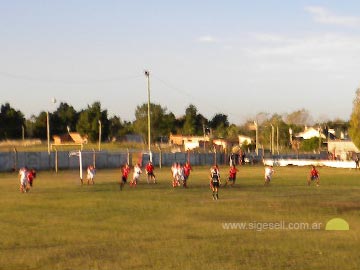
(314, 176)
(187, 168)
(232, 175)
(125, 170)
(150, 172)
(31, 176)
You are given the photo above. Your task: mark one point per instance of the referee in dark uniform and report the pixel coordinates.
(215, 181)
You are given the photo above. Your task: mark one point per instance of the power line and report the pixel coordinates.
(66, 81)
(182, 92)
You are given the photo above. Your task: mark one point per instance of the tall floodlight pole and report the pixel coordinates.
(204, 130)
(272, 139)
(319, 139)
(147, 74)
(277, 139)
(99, 135)
(48, 131)
(48, 126)
(256, 138)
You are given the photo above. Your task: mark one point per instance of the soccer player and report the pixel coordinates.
(357, 161)
(269, 171)
(174, 174)
(232, 175)
(187, 168)
(314, 176)
(136, 175)
(31, 176)
(180, 175)
(215, 181)
(150, 172)
(90, 174)
(125, 170)
(23, 176)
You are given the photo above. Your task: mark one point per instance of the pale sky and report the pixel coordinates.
(233, 57)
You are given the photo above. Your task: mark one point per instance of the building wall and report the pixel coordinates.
(342, 148)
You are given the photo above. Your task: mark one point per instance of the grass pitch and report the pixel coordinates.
(62, 225)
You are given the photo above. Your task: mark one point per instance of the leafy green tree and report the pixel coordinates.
(161, 122)
(39, 125)
(115, 126)
(311, 144)
(29, 127)
(278, 123)
(11, 122)
(270, 125)
(128, 128)
(189, 127)
(63, 118)
(193, 123)
(219, 124)
(219, 120)
(354, 130)
(89, 124)
(299, 118)
(233, 133)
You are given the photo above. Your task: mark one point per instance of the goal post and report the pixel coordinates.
(78, 154)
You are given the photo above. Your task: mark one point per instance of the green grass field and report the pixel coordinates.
(62, 225)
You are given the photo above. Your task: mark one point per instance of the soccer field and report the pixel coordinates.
(60, 224)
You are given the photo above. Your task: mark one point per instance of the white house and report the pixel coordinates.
(244, 139)
(191, 145)
(309, 133)
(342, 149)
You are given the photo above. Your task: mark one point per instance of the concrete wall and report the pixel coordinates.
(196, 159)
(12, 161)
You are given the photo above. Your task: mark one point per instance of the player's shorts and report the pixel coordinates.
(215, 184)
(314, 178)
(23, 181)
(268, 178)
(123, 179)
(151, 174)
(232, 179)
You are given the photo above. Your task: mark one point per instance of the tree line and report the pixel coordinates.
(65, 118)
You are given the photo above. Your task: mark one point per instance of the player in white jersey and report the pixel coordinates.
(269, 171)
(23, 176)
(174, 174)
(90, 174)
(136, 175)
